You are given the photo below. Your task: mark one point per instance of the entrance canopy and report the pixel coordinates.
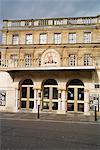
(78, 68)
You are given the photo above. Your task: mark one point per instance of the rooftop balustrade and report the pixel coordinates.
(51, 22)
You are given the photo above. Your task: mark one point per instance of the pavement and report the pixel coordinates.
(23, 131)
(72, 117)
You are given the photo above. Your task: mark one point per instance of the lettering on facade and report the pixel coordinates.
(2, 98)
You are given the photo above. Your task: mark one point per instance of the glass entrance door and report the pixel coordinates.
(75, 98)
(27, 97)
(50, 98)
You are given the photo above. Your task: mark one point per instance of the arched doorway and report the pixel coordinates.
(75, 95)
(26, 94)
(50, 95)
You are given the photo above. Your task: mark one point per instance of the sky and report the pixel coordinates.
(24, 9)
(33, 9)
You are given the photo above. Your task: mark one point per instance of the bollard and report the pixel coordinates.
(95, 114)
(38, 115)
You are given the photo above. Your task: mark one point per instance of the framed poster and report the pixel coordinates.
(2, 98)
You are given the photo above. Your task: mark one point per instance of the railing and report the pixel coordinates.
(36, 63)
(17, 63)
(51, 22)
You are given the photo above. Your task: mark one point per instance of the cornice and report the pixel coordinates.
(35, 46)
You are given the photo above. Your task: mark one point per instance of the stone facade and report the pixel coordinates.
(52, 63)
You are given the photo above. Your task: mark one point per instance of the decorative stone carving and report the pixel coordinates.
(50, 58)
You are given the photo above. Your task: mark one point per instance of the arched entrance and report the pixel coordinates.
(50, 95)
(75, 95)
(26, 94)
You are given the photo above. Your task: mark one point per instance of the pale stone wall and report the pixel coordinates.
(6, 84)
(50, 33)
(10, 81)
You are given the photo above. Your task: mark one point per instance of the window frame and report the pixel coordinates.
(88, 61)
(72, 61)
(27, 40)
(13, 39)
(87, 38)
(72, 37)
(45, 40)
(57, 38)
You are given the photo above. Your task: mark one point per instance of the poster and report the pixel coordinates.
(2, 98)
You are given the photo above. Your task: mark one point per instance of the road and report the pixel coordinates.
(48, 135)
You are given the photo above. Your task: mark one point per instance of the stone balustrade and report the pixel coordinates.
(32, 63)
(51, 22)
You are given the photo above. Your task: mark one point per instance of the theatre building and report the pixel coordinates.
(52, 63)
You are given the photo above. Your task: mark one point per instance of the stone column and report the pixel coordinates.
(86, 102)
(62, 97)
(35, 101)
(59, 101)
(63, 101)
(16, 99)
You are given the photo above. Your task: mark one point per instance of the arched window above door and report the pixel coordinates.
(50, 82)
(27, 82)
(75, 82)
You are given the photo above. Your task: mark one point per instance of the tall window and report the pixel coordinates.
(15, 39)
(43, 38)
(28, 39)
(57, 38)
(14, 60)
(28, 60)
(87, 60)
(72, 60)
(3, 38)
(87, 37)
(14, 57)
(72, 37)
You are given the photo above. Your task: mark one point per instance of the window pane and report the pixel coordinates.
(57, 38)
(46, 92)
(55, 93)
(31, 92)
(31, 104)
(28, 60)
(87, 37)
(70, 106)
(87, 60)
(72, 60)
(24, 92)
(72, 38)
(54, 105)
(14, 60)
(80, 93)
(70, 93)
(80, 107)
(43, 38)
(28, 38)
(14, 57)
(23, 104)
(15, 39)
(45, 105)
